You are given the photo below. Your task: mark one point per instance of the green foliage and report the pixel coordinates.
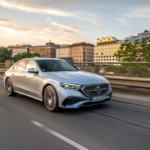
(5, 54)
(24, 55)
(138, 51)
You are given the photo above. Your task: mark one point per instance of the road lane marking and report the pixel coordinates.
(78, 146)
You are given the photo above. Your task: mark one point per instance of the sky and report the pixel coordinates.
(36, 22)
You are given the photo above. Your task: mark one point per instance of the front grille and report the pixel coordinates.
(95, 103)
(89, 90)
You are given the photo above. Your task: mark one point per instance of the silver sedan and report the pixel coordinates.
(57, 83)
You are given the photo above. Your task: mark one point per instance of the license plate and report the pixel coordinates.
(97, 99)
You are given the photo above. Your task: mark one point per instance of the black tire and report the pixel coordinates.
(9, 88)
(50, 99)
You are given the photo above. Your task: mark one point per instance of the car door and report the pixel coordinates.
(29, 83)
(16, 75)
(13, 77)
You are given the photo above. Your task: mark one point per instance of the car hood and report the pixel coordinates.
(74, 77)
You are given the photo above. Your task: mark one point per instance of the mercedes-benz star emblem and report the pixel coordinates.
(98, 89)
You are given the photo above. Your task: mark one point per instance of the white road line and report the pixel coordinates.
(78, 146)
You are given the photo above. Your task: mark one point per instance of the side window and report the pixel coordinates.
(31, 64)
(15, 67)
(22, 65)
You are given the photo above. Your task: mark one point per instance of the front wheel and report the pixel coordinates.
(9, 88)
(50, 99)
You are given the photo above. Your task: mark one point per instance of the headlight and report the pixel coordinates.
(71, 86)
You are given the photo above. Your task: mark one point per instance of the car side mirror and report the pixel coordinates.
(32, 70)
(78, 68)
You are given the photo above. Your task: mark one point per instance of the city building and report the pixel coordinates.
(79, 52)
(144, 34)
(19, 49)
(48, 50)
(82, 52)
(106, 48)
(0, 46)
(63, 52)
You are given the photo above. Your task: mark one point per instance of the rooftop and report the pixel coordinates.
(81, 44)
(140, 36)
(40, 58)
(19, 46)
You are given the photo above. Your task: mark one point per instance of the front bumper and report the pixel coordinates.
(86, 103)
(71, 99)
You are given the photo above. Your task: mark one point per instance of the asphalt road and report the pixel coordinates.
(25, 124)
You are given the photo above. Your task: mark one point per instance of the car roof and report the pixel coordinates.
(41, 59)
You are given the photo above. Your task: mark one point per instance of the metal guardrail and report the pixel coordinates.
(3, 71)
(129, 81)
(2, 65)
(126, 69)
(120, 79)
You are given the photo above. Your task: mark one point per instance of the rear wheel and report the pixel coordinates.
(9, 88)
(50, 99)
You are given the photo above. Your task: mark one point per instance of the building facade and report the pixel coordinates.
(82, 52)
(18, 49)
(139, 37)
(48, 50)
(79, 52)
(63, 52)
(106, 48)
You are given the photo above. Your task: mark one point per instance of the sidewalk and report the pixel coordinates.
(142, 101)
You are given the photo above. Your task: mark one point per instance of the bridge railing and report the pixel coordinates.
(134, 69)
(2, 65)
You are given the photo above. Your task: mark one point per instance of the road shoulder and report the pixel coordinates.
(142, 101)
(1, 76)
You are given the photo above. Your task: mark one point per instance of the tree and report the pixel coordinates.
(5, 54)
(24, 55)
(139, 51)
(134, 52)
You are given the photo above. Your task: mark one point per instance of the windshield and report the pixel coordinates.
(55, 65)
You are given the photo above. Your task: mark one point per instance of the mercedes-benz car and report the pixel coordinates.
(57, 83)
